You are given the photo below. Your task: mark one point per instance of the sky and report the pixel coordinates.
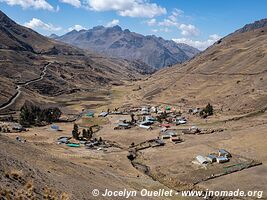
(198, 23)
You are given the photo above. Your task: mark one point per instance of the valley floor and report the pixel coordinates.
(72, 173)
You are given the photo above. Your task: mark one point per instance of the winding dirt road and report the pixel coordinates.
(12, 100)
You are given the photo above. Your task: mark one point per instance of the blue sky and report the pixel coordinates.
(196, 22)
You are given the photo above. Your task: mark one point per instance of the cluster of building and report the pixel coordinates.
(146, 116)
(221, 156)
(97, 144)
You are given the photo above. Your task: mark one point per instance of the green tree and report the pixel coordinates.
(90, 132)
(75, 132)
(86, 134)
(209, 109)
(132, 118)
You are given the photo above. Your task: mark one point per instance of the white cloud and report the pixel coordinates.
(114, 22)
(76, 27)
(35, 4)
(201, 45)
(172, 21)
(130, 8)
(38, 24)
(169, 22)
(188, 30)
(151, 22)
(175, 13)
(75, 3)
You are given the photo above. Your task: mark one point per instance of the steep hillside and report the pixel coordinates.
(24, 54)
(116, 42)
(231, 75)
(253, 26)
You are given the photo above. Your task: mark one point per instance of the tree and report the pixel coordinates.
(207, 111)
(75, 132)
(91, 132)
(86, 134)
(132, 118)
(25, 115)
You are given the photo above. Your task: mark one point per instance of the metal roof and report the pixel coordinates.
(202, 159)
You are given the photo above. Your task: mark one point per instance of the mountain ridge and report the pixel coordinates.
(116, 42)
(253, 26)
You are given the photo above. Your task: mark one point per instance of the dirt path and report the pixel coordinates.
(12, 100)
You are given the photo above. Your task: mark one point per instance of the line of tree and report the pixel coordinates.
(31, 114)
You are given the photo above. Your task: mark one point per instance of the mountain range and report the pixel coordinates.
(115, 42)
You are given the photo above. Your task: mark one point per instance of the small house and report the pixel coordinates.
(147, 122)
(181, 121)
(144, 110)
(123, 124)
(202, 160)
(150, 118)
(165, 125)
(164, 137)
(73, 145)
(103, 114)
(145, 127)
(55, 127)
(192, 130)
(63, 140)
(211, 158)
(17, 127)
(90, 114)
(222, 159)
(224, 153)
(171, 133)
(168, 135)
(160, 142)
(175, 139)
(163, 129)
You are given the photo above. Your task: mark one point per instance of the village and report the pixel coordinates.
(146, 134)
